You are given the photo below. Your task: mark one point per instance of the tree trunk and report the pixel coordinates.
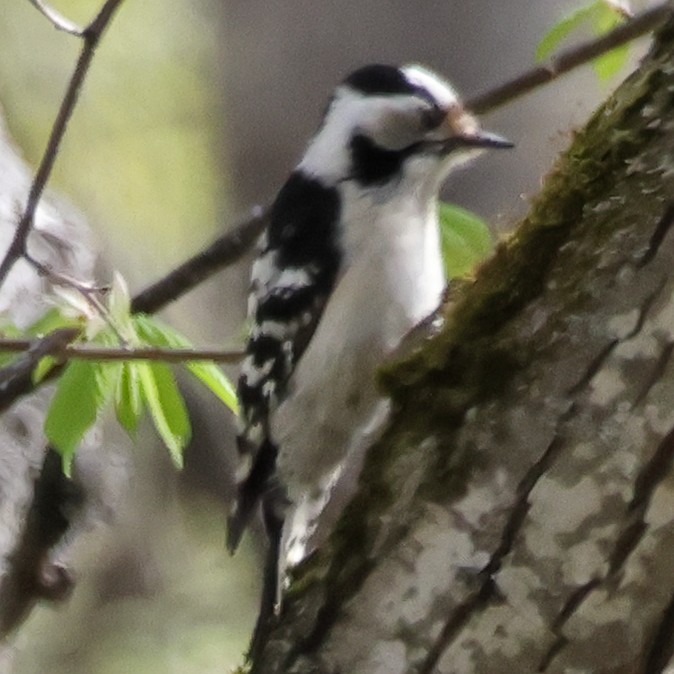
(518, 513)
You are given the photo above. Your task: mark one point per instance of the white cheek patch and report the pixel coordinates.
(399, 124)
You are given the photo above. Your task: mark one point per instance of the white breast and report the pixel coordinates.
(391, 279)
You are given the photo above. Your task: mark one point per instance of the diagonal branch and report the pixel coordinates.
(12, 376)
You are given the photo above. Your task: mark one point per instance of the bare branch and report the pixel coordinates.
(568, 60)
(60, 348)
(58, 21)
(91, 36)
(90, 293)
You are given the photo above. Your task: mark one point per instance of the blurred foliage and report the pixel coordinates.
(142, 155)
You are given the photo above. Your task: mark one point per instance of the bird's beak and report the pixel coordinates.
(485, 139)
(464, 131)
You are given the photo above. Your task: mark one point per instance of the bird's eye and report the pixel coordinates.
(432, 116)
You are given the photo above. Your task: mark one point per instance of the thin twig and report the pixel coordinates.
(91, 294)
(568, 60)
(90, 36)
(60, 349)
(57, 20)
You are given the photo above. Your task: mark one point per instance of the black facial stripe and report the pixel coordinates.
(374, 165)
(433, 117)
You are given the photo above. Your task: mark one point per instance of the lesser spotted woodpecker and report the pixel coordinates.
(350, 262)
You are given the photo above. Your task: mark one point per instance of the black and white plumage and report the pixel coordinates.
(350, 262)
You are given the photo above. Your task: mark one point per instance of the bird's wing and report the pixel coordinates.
(292, 279)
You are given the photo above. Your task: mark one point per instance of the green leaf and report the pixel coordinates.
(606, 18)
(156, 333)
(83, 389)
(128, 397)
(209, 374)
(611, 63)
(119, 304)
(106, 337)
(465, 240)
(603, 17)
(42, 369)
(564, 27)
(8, 331)
(119, 300)
(167, 407)
(7, 357)
(52, 320)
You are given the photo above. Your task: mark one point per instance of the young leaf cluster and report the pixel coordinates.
(133, 386)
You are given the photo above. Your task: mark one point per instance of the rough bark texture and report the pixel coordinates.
(518, 514)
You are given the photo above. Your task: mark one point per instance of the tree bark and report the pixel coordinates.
(518, 513)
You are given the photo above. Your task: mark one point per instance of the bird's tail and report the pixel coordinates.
(239, 516)
(250, 490)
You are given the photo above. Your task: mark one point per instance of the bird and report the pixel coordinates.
(349, 263)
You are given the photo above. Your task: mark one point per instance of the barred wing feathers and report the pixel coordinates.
(292, 279)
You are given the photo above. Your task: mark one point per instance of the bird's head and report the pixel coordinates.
(385, 123)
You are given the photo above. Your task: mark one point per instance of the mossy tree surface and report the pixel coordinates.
(518, 513)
